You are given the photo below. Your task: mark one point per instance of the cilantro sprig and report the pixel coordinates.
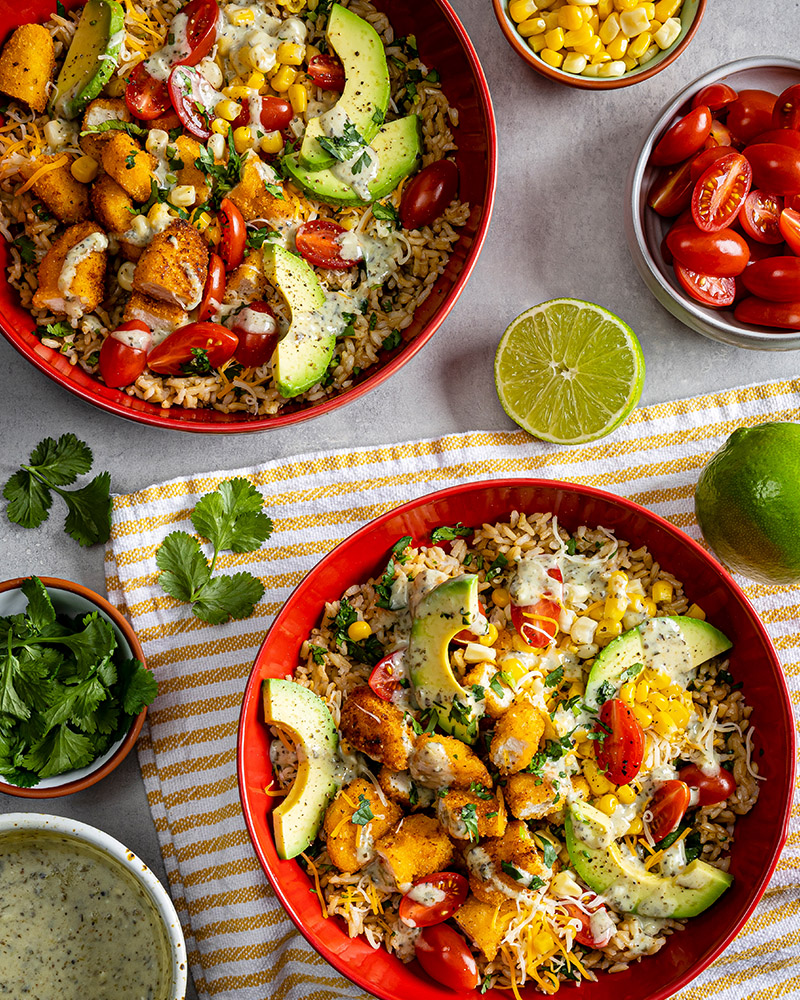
(53, 464)
(232, 520)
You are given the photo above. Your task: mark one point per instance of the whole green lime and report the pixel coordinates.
(748, 502)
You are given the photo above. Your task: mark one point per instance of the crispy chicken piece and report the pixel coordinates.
(26, 65)
(248, 282)
(188, 150)
(417, 846)
(445, 762)
(161, 317)
(66, 198)
(174, 266)
(530, 796)
(399, 787)
(254, 200)
(376, 728)
(129, 165)
(72, 272)
(351, 845)
(483, 674)
(516, 737)
(101, 109)
(493, 883)
(114, 210)
(484, 924)
(489, 815)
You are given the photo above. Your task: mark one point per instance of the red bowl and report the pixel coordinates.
(443, 43)
(759, 835)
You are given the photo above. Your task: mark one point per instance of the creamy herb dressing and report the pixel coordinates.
(75, 924)
(380, 256)
(664, 648)
(93, 243)
(176, 47)
(255, 43)
(139, 340)
(360, 169)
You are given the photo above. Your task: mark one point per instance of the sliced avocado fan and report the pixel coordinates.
(92, 58)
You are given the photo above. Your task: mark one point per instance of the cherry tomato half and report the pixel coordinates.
(750, 114)
(760, 312)
(703, 160)
(258, 337)
(671, 192)
(667, 808)
(707, 289)
(786, 113)
(194, 100)
(384, 679)
(760, 215)
(201, 30)
(711, 789)
(182, 348)
(418, 913)
(783, 136)
(428, 194)
(234, 234)
(214, 291)
(146, 97)
(584, 936)
(123, 356)
(776, 279)
(719, 193)
(620, 746)
(789, 225)
(683, 138)
(318, 242)
(536, 623)
(444, 955)
(327, 72)
(715, 96)
(776, 168)
(724, 253)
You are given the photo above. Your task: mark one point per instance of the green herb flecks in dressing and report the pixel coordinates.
(256, 43)
(665, 649)
(177, 47)
(358, 169)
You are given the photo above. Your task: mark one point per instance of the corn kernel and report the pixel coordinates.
(518, 643)
(243, 139)
(256, 80)
(182, 195)
(674, 691)
(550, 19)
(664, 725)
(654, 27)
(615, 609)
(609, 29)
(272, 142)
(635, 51)
(695, 611)
(627, 693)
(283, 79)
(501, 597)
(643, 716)
(298, 97)
(608, 804)
(537, 43)
(552, 58)
(636, 603)
(657, 703)
(534, 26)
(617, 583)
(596, 610)
(633, 22)
(543, 942)
(622, 5)
(660, 680)
(491, 636)
(599, 59)
(593, 21)
(312, 51)
(84, 169)
(585, 748)
(521, 10)
(291, 54)
(598, 782)
(555, 39)
(262, 58)
(579, 37)
(679, 714)
(618, 47)
(359, 630)
(574, 62)
(642, 691)
(240, 17)
(649, 605)
(649, 9)
(608, 629)
(238, 93)
(229, 110)
(666, 8)
(590, 48)
(626, 795)
(604, 8)
(636, 826)
(668, 33)
(515, 668)
(662, 589)
(570, 17)
(201, 221)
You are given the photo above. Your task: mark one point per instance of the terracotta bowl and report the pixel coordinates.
(759, 836)
(74, 599)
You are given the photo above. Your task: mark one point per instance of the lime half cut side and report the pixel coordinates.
(568, 371)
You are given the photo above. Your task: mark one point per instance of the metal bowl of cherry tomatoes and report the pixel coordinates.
(713, 207)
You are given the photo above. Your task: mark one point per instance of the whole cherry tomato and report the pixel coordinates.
(719, 193)
(123, 356)
(716, 96)
(427, 196)
(258, 334)
(234, 234)
(776, 168)
(789, 226)
(672, 189)
(536, 623)
(275, 114)
(786, 113)
(775, 278)
(194, 100)
(584, 936)
(444, 955)
(783, 136)
(706, 288)
(724, 253)
(146, 97)
(760, 312)
(667, 808)
(683, 138)
(750, 114)
(711, 789)
(214, 291)
(760, 215)
(186, 350)
(703, 160)
(417, 912)
(760, 251)
(384, 679)
(620, 742)
(318, 242)
(327, 72)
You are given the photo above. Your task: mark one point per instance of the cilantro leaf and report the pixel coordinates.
(394, 339)
(226, 597)
(26, 247)
(318, 654)
(363, 814)
(478, 789)
(114, 124)
(549, 853)
(140, 688)
(509, 869)
(232, 518)
(184, 568)
(469, 817)
(29, 500)
(10, 701)
(62, 461)
(386, 212)
(554, 678)
(447, 534)
(89, 511)
(62, 749)
(630, 672)
(497, 566)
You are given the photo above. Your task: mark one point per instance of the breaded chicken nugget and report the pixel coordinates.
(102, 109)
(516, 737)
(72, 272)
(248, 282)
(490, 865)
(376, 728)
(26, 65)
(129, 165)
(460, 813)
(483, 674)
(188, 150)
(254, 200)
(174, 266)
(350, 843)
(484, 924)
(530, 796)
(162, 317)
(445, 762)
(399, 787)
(66, 198)
(114, 209)
(417, 846)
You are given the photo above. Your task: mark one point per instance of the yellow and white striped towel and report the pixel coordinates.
(240, 942)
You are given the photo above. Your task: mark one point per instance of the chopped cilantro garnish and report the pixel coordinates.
(318, 654)
(199, 365)
(469, 817)
(27, 248)
(554, 678)
(632, 671)
(478, 789)
(571, 547)
(363, 813)
(497, 566)
(447, 534)
(394, 339)
(386, 212)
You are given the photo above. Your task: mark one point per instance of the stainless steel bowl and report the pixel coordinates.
(645, 229)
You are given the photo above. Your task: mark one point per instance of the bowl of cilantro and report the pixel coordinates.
(74, 687)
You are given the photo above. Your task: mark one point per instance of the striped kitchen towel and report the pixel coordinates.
(241, 944)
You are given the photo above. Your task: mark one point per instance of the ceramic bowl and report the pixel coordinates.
(645, 229)
(74, 599)
(117, 852)
(759, 836)
(691, 15)
(443, 43)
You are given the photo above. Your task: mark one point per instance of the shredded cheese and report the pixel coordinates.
(317, 886)
(275, 792)
(655, 856)
(41, 172)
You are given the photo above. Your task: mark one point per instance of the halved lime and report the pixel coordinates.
(568, 371)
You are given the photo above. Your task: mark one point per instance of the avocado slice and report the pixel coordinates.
(302, 356)
(702, 641)
(92, 57)
(305, 717)
(627, 886)
(442, 614)
(365, 97)
(398, 146)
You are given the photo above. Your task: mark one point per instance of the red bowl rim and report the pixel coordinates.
(155, 419)
(251, 697)
(122, 751)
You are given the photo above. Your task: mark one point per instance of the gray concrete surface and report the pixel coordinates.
(557, 230)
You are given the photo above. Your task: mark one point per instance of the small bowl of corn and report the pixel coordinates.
(599, 44)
